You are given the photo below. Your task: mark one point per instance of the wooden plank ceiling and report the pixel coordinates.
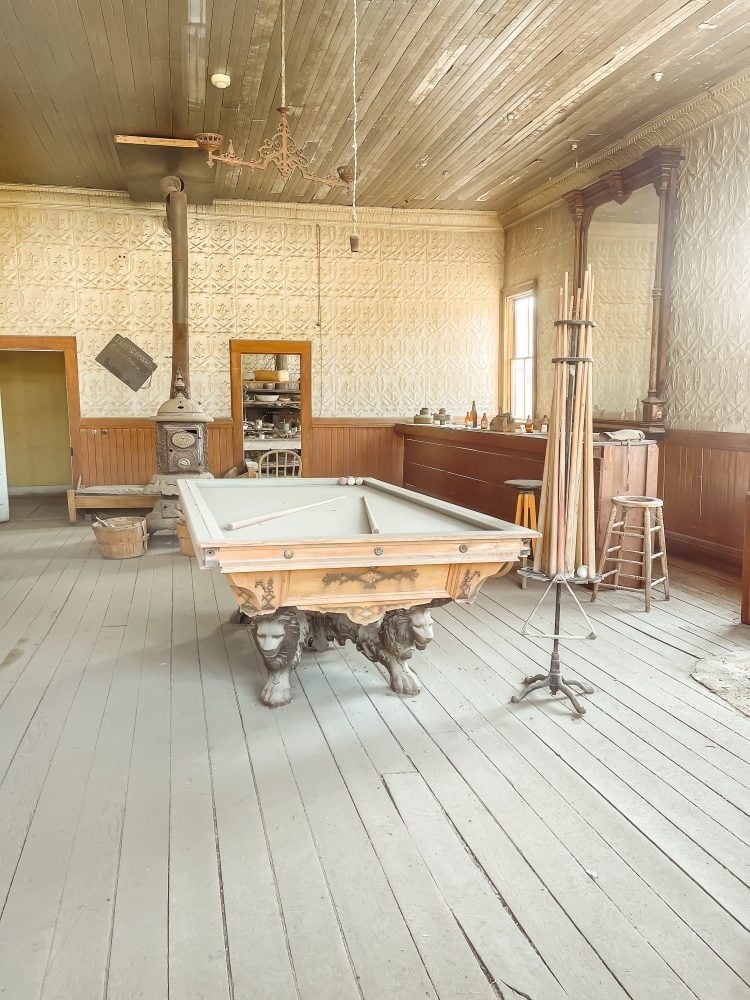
(461, 103)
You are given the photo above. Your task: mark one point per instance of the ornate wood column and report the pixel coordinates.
(658, 167)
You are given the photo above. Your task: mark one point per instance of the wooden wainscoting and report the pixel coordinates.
(357, 447)
(705, 476)
(121, 450)
(220, 447)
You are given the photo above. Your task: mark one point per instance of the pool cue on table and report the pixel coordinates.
(260, 518)
(374, 527)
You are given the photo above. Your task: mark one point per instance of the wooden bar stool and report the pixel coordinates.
(616, 552)
(528, 490)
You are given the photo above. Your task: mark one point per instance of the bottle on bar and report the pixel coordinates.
(467, 419)
(474, 414)
(484, 422)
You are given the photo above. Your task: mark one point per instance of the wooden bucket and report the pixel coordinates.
(122, 537)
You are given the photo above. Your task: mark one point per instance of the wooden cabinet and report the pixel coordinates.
(470, 468)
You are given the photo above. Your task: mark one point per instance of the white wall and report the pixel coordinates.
(411, 320)
(708, 385)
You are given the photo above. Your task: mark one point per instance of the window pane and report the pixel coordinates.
(528, 373)
(517, 383)
(521, 348)
(521, 328)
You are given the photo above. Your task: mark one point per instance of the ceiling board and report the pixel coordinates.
(458, 100)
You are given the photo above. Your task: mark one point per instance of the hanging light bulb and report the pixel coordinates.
(354, 237)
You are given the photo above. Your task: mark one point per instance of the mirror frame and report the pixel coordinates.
(660, 167)
(238, 348)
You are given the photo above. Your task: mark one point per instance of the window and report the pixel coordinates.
(520, 330)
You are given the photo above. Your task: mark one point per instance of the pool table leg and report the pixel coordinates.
(279, 640)
(391, 642)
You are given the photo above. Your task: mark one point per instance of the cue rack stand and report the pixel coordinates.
(566, 553)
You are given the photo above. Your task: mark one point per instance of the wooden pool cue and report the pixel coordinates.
(260, 518)
(590, 538)
(374, 527)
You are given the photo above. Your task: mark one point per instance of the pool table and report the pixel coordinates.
(311, 562)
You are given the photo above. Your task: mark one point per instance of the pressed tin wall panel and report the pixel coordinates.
(411, 320)
(708, 382)
(541, 249)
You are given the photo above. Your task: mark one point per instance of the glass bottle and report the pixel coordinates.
(529, 424)
(467, 419)
(474, 414)
(485, 422)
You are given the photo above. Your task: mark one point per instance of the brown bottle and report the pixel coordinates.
(474, 414)
(467, 419)
(484, 424)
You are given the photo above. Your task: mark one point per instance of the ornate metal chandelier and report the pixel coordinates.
(280, 150)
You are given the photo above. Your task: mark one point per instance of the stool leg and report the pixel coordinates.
(605, 546)
(519, 509)
(532, 520)
(663, 547)
(524, 501)
(647, 556)
(618, 558)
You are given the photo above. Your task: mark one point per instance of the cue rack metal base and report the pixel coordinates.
(553, 681)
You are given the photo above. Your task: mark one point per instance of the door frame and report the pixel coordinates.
(238, 348)
(68, 347)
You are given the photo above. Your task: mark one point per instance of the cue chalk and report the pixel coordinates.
(374, 527)
(260, 518)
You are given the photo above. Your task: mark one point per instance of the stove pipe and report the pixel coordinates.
(172, 189)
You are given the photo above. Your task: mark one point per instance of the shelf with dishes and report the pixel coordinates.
(267, 403)
(278, 395)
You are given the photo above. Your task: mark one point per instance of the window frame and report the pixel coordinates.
(510, 295)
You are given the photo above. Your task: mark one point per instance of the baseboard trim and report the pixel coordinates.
(702, 550)
(23, 491)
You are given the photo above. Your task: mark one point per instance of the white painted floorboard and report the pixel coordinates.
(163, 836)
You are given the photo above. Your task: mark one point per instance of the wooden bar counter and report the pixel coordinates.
(469, 467)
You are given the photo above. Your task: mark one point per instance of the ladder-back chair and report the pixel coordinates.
(280, 463)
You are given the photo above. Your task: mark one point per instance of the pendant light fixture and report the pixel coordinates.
(280, 150)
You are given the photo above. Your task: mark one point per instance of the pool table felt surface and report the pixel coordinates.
(398, 512)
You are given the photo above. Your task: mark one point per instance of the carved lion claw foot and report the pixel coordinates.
(279, 639)
(403, 680)
(277, 691)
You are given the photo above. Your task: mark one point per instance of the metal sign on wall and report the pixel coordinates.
(126, 361)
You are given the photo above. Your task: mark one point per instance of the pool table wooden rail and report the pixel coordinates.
(361, 576)
(381, 550)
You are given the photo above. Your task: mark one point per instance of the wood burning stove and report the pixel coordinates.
(181, 439)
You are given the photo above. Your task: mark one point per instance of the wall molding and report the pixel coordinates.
(357, 421)
(119, 201)
(668, 129)
(724, 440)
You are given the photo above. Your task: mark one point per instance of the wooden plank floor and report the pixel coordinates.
(163, 835)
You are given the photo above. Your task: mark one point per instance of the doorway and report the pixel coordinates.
(271, 398)
(39, 412)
